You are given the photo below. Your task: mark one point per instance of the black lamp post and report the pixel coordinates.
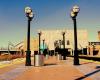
(43, 43)
(39, 42)
(60, 44)
(64, 51)
(74, 13)
(63, 33)
(29, 15)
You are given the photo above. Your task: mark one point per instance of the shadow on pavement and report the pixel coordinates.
(50, 64)
(89, 74)
(97, 67)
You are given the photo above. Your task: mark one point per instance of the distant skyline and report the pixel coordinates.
(49, 14)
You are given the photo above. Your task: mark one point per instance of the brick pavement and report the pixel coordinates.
(53, 70)
(90, 69)
(6, 67)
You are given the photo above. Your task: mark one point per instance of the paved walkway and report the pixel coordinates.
(90, 69)
(55, 70)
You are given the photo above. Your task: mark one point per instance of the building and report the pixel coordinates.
(52, 36)
(94, 49)
(34, 45)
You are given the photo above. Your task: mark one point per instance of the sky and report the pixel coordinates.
(49, 14)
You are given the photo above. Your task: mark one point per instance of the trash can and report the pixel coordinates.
(38, 60)
(59, 57)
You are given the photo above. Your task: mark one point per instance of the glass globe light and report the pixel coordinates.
(39, 32)
(28, 10)
(72, 14)
(31, 15)
(75, 9)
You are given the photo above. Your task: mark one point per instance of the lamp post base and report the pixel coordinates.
(76, 61)
(28, 58)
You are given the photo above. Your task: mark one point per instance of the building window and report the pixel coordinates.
(68, 42)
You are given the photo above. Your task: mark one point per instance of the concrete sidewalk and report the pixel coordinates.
(55, 70)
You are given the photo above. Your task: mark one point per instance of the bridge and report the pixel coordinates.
(12, 49)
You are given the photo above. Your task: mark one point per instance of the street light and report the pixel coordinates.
(43, 44)
(64, 52)
(60, 44)
(74, 12)
(39, 41)
(39, 58)
(63, 33)
(29, 15)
